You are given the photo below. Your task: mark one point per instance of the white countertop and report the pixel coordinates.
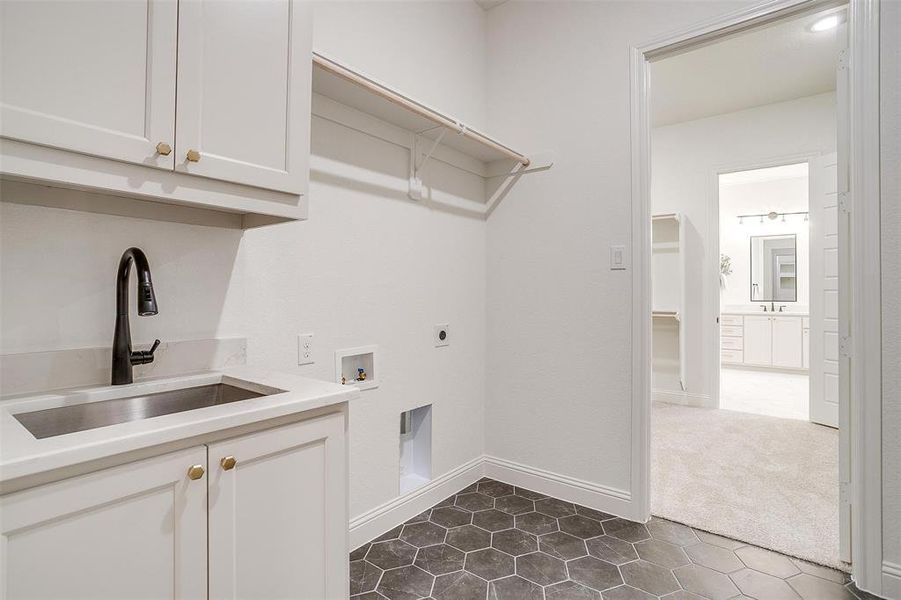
(21, 454)
(759, 313)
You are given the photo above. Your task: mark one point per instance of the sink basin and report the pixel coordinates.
(52, 422)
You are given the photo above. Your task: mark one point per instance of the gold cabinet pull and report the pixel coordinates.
(195, 472)
(228, 463)
(193, 155)
(163, 149)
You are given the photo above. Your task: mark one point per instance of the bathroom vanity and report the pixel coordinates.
(226, 484)
(765, 339)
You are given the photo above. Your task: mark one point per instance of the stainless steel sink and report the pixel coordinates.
(91, 415)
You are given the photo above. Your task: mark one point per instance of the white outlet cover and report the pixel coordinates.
(305, 349)
(439, 339)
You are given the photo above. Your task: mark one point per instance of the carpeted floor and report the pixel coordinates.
(763, 480)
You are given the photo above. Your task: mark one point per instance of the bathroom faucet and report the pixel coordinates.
(123, 357)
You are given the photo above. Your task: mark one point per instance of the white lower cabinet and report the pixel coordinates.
(787, 342)
(765, 341)
(273, 523)
(133, 531)
(758, 342)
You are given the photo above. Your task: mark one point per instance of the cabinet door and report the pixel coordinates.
(278, 516)
(135, 531)
(92, 76)
(787, 342)
(244, 91)
(758, 341)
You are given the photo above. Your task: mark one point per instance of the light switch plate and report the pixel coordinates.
(618, 260)
(305, 349)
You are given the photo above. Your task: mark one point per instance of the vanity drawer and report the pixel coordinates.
(731, 343)
(732, 356)
(731, 320)
(731, 331)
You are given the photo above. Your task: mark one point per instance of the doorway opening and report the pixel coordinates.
(744, 136)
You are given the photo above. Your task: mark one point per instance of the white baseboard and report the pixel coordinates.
(383, 518)
(891, 580)
(683, 398)
(610, 500)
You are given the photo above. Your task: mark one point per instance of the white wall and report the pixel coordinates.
(684, 159)
(369, 267)
(782, 195)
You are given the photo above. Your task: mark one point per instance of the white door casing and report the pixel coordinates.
(92, 76)
(278, 517)
(133, 531)
(244, 73)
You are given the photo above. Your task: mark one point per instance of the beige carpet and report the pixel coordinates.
(762, 480)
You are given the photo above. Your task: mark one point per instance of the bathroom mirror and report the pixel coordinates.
(774, 268)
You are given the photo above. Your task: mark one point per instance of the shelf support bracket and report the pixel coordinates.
(416, 163)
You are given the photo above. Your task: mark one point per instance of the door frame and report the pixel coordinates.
(712, 267)
(864, 288)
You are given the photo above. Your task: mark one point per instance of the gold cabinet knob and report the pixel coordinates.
(164, 149)
(193, 155)
(195, 472)
(228, 463)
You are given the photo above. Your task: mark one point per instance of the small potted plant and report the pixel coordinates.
(725, 269)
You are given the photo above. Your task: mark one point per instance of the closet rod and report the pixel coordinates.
(423, 111)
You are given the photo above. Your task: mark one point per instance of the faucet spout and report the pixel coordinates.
(123, 356)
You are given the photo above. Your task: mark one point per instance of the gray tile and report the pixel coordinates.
(439, 559)
(529, 494)
(423, 516)
(580, 526)
(495, 489)
(562, 545)
(662, 553)
(767, 561)
(554, 507)
(514, 505)
(649, 577)
(489, 564)
(475, 501)
(706, 582)
(820, 571)
(492, 520)
(628, 531)
(449, 501)
(859, 593)
(540, 568)
(405, 583)
(570, 590)
(360, 552)
(449, 516)
(423, 534)
(536, 523)
(714, 557)
(814, 588)
(473, 487)
(389, 535)
(364, 576)
(514, 542)
(625, 592)
(514, 588)
(760, 585)
(718, 540)
(391, 554)
(468, 538)
(611, 549)
(594, 572)
(368, 596)
(459, 586)
(593, 514)
(683, 595)
(674, 533)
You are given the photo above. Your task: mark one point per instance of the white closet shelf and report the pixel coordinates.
(351, 88)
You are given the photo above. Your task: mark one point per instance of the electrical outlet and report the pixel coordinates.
(305, 349)
(442, 334)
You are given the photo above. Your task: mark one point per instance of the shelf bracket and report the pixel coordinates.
(416, 164)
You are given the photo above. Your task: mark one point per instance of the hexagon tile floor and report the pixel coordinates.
(492, 541)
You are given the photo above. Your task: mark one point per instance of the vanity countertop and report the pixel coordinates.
(760, 313)
(23, 455)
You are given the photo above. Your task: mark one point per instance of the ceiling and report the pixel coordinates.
(766, 174)
(776, 63)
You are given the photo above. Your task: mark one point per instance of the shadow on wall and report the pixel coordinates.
(345, 158)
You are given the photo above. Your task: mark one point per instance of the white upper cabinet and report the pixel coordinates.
(95, 77)
(244, 73)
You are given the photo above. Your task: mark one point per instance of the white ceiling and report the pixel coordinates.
(767, 174)
(777, 63)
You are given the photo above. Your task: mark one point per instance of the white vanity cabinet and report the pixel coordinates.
(270, 522)
(764, 340)
(207, 101)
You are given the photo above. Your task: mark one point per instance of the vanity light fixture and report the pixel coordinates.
(772, 216)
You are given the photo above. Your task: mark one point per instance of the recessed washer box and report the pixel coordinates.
(348, 363)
